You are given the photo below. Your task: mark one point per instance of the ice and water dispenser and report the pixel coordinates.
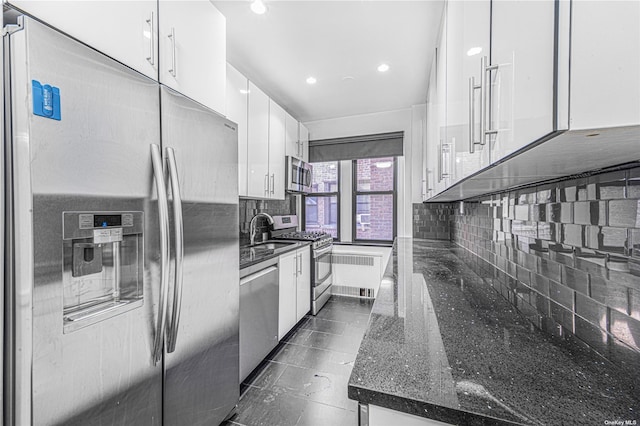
(103, 266)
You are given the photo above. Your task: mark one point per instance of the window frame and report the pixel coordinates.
(324, 194)
(354, 202)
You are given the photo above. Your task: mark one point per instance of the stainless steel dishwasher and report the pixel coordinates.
(258, 314)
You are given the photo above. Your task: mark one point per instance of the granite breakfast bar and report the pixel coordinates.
(443, 344)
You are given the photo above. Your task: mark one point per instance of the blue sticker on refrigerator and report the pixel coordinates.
(46, 100)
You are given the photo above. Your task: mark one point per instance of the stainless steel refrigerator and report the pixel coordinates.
(121, 263)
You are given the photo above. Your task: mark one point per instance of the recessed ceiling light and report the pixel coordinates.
(244, 91)
(258, 7)
(311, 80)
(383, 67)
(474, 51)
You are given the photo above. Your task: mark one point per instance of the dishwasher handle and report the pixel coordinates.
(258, 274)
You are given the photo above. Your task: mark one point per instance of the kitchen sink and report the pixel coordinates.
(262, 250)
(272, 245)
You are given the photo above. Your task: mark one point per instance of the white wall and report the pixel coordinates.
(409, 166)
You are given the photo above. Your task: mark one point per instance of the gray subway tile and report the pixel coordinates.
(624, 213)
(590, 213)
(524, 228)
(594, 266)
(538, 212)
(610, 293)
(528, 261)
(633, 183)
(559, 212)
(607, 186)
(575, 279)
(522, 212)
(568, 192)
(550, 269)
(573, 235)
(591, 310)
(625, 328)
(546, 194)
(604, 238)
(541, 303)
(523, 275)
(540, 284)
(561, 294)
(561, 315)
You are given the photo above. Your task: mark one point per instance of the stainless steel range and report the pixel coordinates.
(284, 228)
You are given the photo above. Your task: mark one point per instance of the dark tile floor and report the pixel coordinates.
(304, 381)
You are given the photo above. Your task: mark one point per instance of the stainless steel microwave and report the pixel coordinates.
(298, 176)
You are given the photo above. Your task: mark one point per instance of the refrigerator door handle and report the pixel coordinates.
(163, 216)
(179, 247)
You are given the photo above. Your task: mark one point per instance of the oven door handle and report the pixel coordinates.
(317, 253)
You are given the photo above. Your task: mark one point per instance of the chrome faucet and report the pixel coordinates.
(252, 226)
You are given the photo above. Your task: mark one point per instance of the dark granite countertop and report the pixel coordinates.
(251, 255)
(443, 344)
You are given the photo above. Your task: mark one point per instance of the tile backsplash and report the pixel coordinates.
(249, 208)
(566, 255)
(432, 220)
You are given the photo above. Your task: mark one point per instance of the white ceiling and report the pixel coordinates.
(341, 44)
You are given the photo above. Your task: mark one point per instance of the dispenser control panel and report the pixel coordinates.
(103, 265)
(89, 221)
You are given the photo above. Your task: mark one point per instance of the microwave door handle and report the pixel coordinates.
(179, 243)
(163, 216)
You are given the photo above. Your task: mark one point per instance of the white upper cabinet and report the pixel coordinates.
(605, 64)
(467, 41)
(445, 149)
(519, 76)
(431, 154)
(304, 142)
(292, 142)
(237, 103)
(277, 137)
(192, 40)
(258, 143)
(132, 41)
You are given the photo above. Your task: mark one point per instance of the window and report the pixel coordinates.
(321, 211)
(374, 199)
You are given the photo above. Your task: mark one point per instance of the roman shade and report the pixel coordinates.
(356, 147)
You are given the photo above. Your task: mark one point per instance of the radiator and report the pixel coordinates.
(356, 274)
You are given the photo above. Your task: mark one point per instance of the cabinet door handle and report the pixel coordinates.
(485, 109)
(472, 114)
(445, 151)
(172, 37)
(301, 265)
(266, 184)
(273, 183)
(152, 51)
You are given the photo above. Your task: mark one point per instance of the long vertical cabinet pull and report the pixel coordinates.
(273, 183)
(266, 184)
(163, 216)
(472, 114)
(172, 37)
(179, 243)
(485, 109)
(152, 51)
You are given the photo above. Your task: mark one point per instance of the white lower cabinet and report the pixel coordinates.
(295, 289)
(303, 294)
(288, 286)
